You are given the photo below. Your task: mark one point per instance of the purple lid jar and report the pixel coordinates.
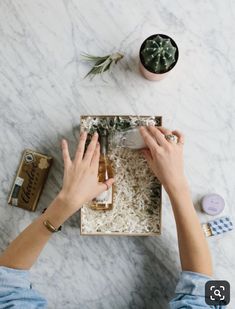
(213, 204)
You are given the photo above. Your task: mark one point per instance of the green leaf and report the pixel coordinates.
(101, 64)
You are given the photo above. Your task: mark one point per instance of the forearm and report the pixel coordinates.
(194, 251)
(25, 249)
(80, 185)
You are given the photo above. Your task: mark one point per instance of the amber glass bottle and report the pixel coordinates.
(105, 200)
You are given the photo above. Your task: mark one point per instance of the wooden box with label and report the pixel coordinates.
(30, 179)
(132, 206)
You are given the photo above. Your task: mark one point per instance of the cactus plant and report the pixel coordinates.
(158, 55)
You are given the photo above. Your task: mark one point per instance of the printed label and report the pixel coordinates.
(14, 201)
(19, 181)
(15, 193)
(105, 197)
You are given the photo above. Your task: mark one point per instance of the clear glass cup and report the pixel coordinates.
(131, 139)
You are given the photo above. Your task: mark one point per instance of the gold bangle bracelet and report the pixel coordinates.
(50, 226)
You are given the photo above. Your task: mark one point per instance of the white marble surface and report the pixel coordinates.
(43, 94)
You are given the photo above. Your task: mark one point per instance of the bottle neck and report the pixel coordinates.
(103, 144)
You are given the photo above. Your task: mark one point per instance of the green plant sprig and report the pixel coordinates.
(101, 64)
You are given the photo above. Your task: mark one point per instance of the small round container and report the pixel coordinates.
(213, 204)
(149, 73)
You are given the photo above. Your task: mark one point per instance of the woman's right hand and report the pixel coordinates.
(165, 158)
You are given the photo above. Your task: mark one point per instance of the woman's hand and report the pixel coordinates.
(166, 161)
(165, 158)
(80, 183)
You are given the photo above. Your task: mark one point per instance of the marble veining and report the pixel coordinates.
(42, 95)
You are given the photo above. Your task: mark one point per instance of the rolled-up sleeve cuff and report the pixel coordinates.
(192, 283)
(16, 290)
(14, 278)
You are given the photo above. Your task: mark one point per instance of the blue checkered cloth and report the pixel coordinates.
(220, 225)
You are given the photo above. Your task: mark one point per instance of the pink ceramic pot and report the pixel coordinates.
(152, 75)
(149, 75)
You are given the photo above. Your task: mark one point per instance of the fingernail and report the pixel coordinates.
(63, 142)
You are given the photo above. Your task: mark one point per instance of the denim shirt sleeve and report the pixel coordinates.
(16, 290)
(190, 292)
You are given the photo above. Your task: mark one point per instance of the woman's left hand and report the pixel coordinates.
(80, 183)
